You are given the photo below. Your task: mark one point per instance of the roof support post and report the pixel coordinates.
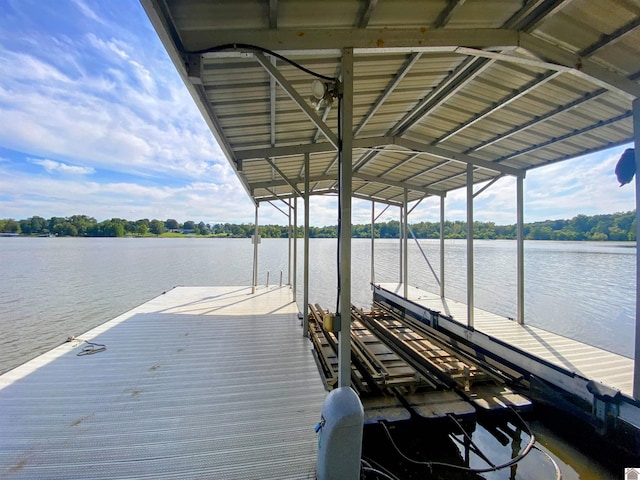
(344, 247)
(289, 240)
(305, 306)
(636, 361)
(442, 247)
(520, 246)
(255, 252)
(295, 247)
(405, 243)
(400, 235)
(373, 236)
(469, 245)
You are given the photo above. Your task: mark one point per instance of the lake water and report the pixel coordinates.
(53, 288)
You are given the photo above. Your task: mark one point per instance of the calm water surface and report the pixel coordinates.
(53, 288)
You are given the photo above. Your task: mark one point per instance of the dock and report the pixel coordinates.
(608, 368)
(200, 382)
(558, 368)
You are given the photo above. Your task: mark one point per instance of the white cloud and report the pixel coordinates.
(86, 11)
(53, 166)
(47, 196)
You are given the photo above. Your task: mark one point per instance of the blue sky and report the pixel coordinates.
(94, 120)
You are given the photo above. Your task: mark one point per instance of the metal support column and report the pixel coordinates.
(305, 307)
(636, 136)
(400, 237)
(442, 247)
(520, 246)
(345, 172)
(469, 245)
(255, 252)
(295, 246)
(289, 240)
(373, 236)
(405, 243)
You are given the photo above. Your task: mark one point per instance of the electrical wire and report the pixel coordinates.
(339, 232)
(553, 462)
(369, 465)
(493, 468)
(245, 46)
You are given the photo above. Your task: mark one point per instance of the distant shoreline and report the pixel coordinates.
(620, 227)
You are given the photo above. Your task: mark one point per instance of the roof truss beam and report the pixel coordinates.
(408, 65)
(521, 92)
(447, 13)
(296, 97)
(301, 149)
(458, 157)
(295, 181)
(326, 40)
(581, 66)
(572, 134)
(366, 14)
(283, 176)
(392, 183)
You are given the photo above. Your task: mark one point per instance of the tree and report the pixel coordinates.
(202, 229)
(10, 226)
(171, 224)
(189, 226)
(141, 229)
(65, 229)
(156, 227)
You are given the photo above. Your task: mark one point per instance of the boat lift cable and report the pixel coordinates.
(492, 468)
(424, 255)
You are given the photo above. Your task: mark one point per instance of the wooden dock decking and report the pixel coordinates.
(200, 382)
(611, 369)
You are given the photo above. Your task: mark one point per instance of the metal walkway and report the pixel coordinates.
(192, 384)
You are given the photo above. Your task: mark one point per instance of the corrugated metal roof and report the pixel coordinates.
(517, 83)
(197, 383)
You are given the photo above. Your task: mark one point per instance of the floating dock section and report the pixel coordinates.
(208, 382)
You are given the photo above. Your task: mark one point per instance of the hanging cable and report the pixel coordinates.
(339, 276)
(553, 462)
(369, 465)
(245, 46)
(493, 468)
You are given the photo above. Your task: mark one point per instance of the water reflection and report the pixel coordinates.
(499, 448)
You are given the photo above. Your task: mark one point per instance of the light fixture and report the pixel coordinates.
(322, 93)
(318, 89)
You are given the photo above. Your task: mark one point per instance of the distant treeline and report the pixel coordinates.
(616, 226)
